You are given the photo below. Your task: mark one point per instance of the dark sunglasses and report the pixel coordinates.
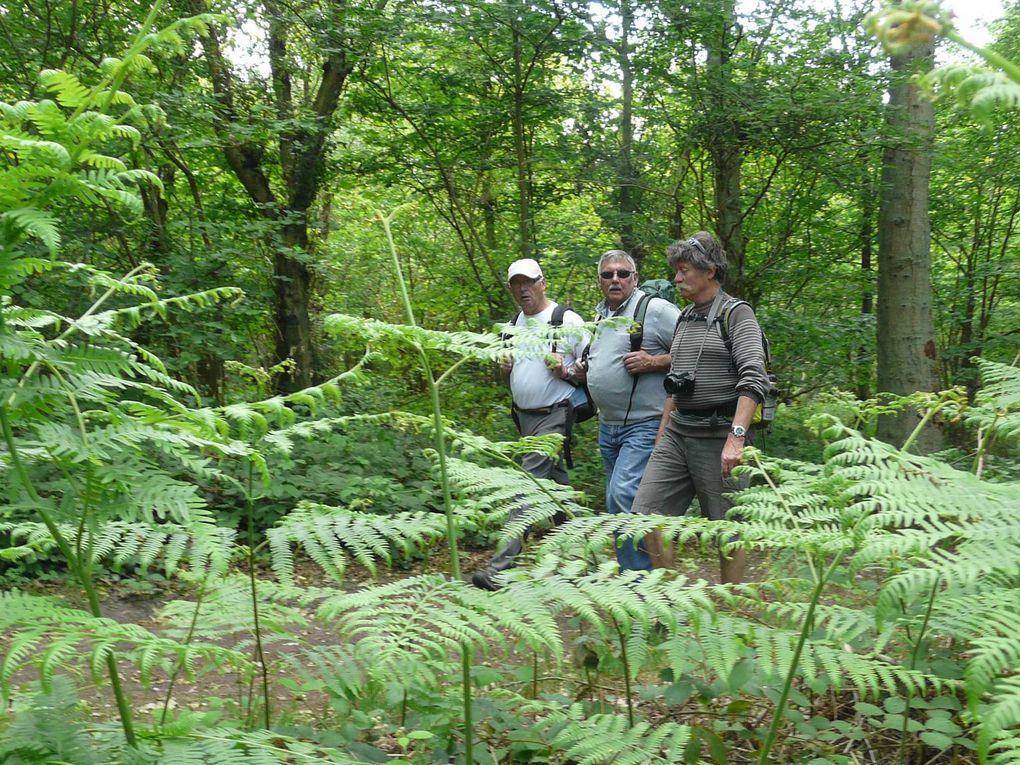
(623, 273)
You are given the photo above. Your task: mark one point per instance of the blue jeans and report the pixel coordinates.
(625, 452)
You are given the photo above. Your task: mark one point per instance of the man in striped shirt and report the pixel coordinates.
(714, 387)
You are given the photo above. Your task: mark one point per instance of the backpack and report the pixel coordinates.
(661, 288)
(766, 411)
(580, 400)
(652, 289)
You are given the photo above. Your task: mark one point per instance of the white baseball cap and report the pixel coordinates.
(524, 267)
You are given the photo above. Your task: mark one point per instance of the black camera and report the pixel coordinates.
(679, 384)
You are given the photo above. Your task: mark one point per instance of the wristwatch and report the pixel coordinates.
(738, 430)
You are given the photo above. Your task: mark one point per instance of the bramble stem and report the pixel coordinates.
(444, 481)
(123, 707)
(805, 630)
(259, 651)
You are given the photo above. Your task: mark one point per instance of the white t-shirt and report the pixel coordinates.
(532, 384)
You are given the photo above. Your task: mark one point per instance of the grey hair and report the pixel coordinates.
(702, 251)
(617, 255)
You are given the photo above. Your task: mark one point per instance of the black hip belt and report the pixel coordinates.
(543, 409)
(725, 410)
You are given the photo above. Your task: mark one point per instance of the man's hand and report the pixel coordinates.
(506, 365)
(731, 454)
(642, 362)
(554, 361)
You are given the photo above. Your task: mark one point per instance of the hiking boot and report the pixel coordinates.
(482, 579)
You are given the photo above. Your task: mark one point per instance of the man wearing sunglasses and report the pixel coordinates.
(542, 381)
(626, 368)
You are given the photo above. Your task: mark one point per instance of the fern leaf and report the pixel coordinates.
(407, 629)
(328, 533)
(35, 223)
(66, 87)
(607, 738)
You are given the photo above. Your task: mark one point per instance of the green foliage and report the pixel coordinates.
(120, 543)
(52, 637)
(979, 89)
(326, 534)
(604, 737)
(408, 628)
(47, 728)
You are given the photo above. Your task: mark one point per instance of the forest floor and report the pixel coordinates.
(126, 603)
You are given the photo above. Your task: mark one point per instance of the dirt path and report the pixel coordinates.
(228, 691)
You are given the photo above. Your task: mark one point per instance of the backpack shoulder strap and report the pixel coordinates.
(556, 320)
(685, 315)
(724, 320)
(724, 330)
(642, 307)
(504, 336)
(637, 334)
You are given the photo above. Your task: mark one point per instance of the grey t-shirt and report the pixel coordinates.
(609, 383)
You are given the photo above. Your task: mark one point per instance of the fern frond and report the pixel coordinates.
(627, 597)
(66, 87)
(608, 738)
(329, 534)
(505, 490)
(52, 636)
(226, 614)
(1006, 750)
(230, 746)
(408, 629)
(35, 223)
(47, 728)
(1002, 714)
(978, 89)
(393, 337)
(52, 153)
(334, 666)
(122, 542)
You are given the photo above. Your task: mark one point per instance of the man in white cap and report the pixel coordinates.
(541, 386)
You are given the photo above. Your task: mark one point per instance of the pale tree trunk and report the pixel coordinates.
(521, 150)
(626, 175)
(906, 334)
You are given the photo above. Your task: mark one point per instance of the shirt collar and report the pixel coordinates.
(603, 309)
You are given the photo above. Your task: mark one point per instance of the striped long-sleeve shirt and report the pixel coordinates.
(720, 377)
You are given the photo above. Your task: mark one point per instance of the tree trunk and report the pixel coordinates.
(626, 175)
(865, 237)
(906, 334)
(726, 146)
(302, 148)
(293, 284)
(521, 151)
